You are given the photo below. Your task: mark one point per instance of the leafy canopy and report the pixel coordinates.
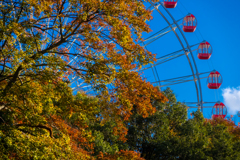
(46, 43)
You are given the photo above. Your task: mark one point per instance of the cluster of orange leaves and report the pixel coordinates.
(76, 133)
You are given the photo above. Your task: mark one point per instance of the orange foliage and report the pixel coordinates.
(121, 131)
(78, 136)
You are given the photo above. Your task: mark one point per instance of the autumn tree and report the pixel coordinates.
(39, 40)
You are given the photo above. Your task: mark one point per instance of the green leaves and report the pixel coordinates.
(168, 134)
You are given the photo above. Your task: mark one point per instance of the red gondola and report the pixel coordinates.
(170, 3)
(204, 50)
(189, 23)
(219, 110)
(214, 80)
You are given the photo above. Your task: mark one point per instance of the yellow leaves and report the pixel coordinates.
(26, 146)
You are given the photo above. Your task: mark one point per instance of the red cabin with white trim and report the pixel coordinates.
(170, 3)
(219, 110)
(214, 80)
(204, 50)
(189, 23)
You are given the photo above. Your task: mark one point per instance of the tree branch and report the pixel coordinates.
(37, 126)
(13, 80)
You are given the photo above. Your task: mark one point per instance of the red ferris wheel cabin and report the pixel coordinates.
(214, 80)
(204, 50)
(170, 3)
(219, 110)
(189, 23)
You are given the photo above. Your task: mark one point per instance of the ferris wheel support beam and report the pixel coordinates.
(199, 102)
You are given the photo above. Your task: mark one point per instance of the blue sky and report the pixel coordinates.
(219, 24)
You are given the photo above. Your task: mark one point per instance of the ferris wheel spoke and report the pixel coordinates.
(156, 5)
(197, 103)
(184, 77)
(169, 57)
(164, 60)
(79, 84)
(199, 107)
(184, 49)
(179, 80)
(73, 42)
(160, 31)
(83, 88)
(158, 36)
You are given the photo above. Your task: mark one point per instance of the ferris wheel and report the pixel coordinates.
(201, 51)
